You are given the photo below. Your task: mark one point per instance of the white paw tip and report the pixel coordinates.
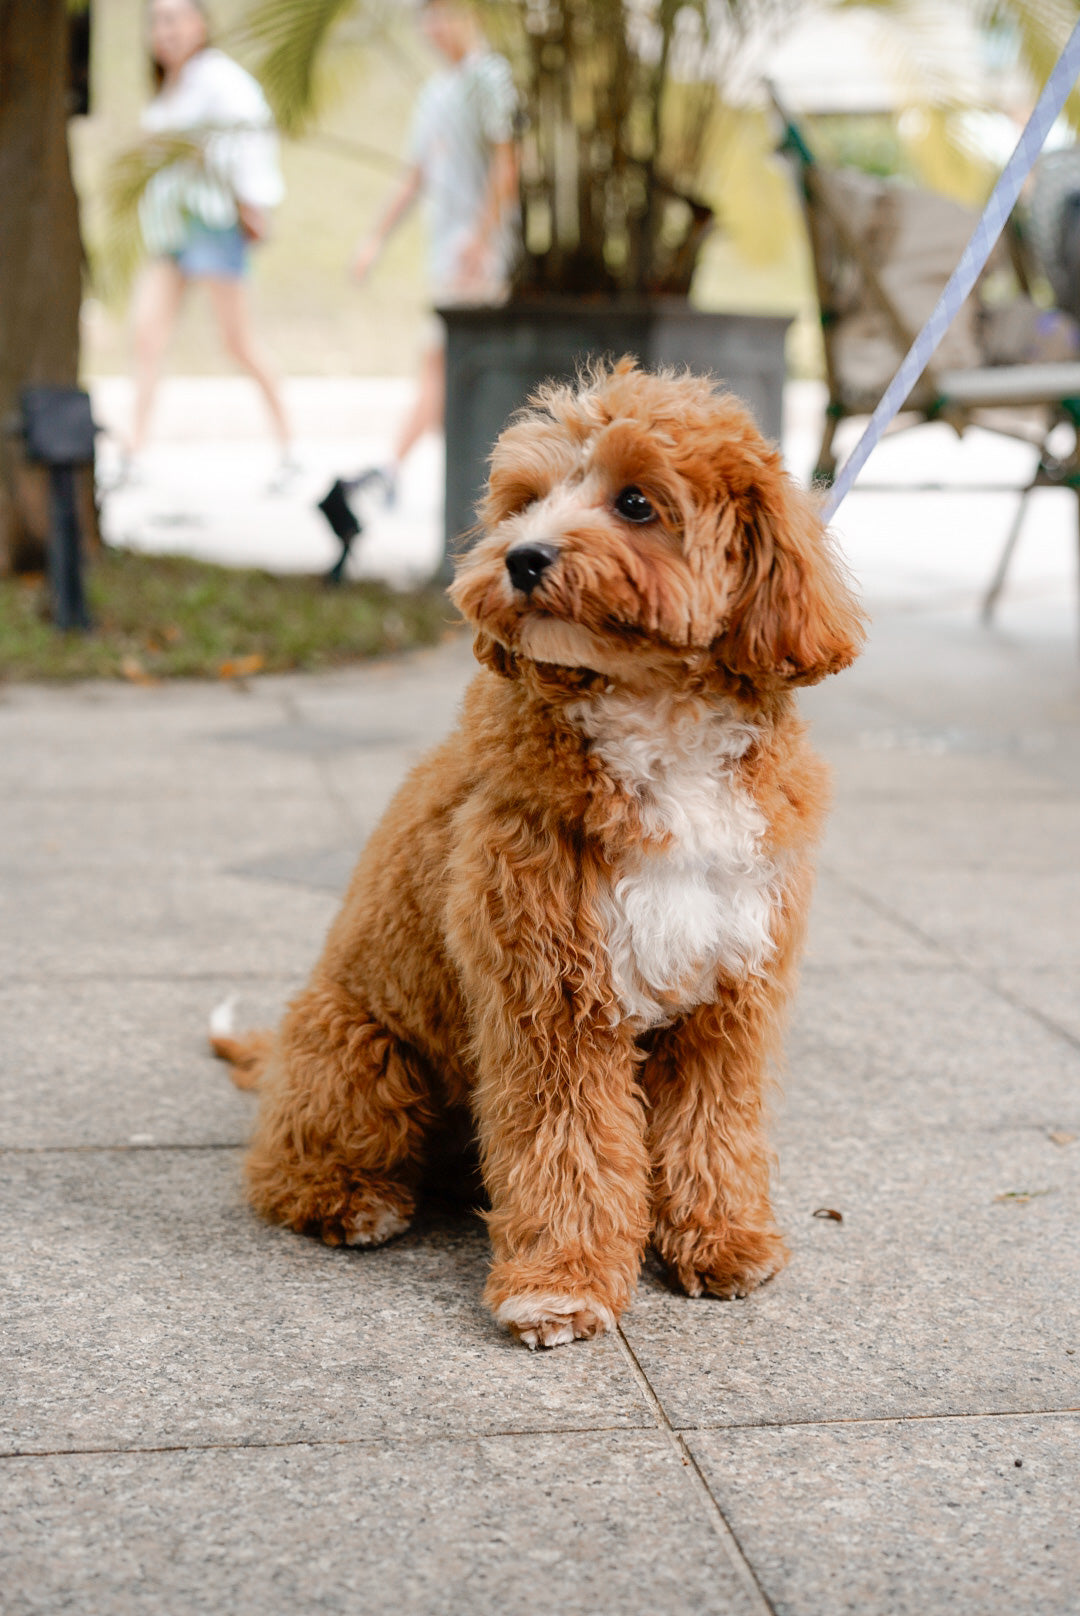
(548, 1321)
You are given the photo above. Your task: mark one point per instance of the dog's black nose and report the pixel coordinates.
(527, 563)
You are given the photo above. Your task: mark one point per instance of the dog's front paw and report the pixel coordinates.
(553, 1321)
(728, 1264)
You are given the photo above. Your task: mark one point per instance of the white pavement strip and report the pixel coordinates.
(203, 493)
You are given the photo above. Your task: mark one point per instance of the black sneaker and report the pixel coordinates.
(345, 524)
(339, 513)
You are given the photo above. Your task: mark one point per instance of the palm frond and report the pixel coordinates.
(287, 43)
(1042, 28)
(116, 255)
(1039, 29)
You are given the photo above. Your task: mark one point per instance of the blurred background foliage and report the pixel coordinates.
(342, 76)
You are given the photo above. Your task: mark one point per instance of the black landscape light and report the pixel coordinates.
(58, 432)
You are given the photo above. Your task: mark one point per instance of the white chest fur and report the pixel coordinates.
(695, 899)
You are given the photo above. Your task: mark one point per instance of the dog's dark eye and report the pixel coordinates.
(632, 505)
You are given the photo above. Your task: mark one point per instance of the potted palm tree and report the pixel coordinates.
(620, 102)
(621, 106)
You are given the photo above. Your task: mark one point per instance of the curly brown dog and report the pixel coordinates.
(580, 916)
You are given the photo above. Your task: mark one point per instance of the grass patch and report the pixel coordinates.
(167, 617)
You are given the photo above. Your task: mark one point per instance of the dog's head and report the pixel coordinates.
(639, 526)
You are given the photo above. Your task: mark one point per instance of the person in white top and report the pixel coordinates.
(462, 161)
(200, 216)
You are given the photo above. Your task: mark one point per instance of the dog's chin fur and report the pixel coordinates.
(556, 644)
(566, 645)
(580, 919)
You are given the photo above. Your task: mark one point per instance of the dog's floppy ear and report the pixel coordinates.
(491, 654)
(793, 616)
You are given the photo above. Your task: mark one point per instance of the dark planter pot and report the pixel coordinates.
(495, 357)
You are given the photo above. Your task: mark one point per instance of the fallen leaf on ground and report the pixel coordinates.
(1060, 1137)
(241, 667)
(133, 669)
(828, 1212)
(1020, 1197)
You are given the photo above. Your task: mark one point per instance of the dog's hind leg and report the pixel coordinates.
(344, 1106)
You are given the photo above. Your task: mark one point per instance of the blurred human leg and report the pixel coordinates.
(429, 404)
(158, 296)
(230, 302)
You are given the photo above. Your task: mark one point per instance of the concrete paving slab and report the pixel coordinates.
(577, 1523)
(994, 917)
(130, 753)
(882, 1053)
(326, 869)
(944, 1290)
(115, 1063)
(165, 921)
(145, 1305)
(846, 930)
(908, 1518)
(877, 767)
(196, 833)
(941, 668)
(1022, 833)
(420, 692)
(1053, 992)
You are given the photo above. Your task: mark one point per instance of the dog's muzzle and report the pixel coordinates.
(527, 564)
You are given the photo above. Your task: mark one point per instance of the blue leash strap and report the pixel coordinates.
(1002, 201)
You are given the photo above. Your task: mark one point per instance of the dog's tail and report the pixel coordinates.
(247, 1055)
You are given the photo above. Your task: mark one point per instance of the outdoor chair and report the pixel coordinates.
(882, 252)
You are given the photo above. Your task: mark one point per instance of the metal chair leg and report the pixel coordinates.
(825, 468)
(1076, 491)
(997, 583)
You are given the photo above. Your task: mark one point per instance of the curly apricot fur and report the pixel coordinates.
(471, 965)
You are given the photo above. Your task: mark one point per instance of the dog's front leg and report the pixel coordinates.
(559, 1112)
(712, 1219)
(562, 1135)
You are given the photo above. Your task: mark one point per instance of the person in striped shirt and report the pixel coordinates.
(462, 165)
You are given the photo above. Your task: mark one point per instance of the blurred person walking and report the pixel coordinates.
(200, 217)
(462, 163)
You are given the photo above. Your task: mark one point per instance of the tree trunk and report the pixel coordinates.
(41, 256)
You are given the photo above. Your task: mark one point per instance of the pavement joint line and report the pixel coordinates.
(127, 1149)
(983, 975)
(48, 977)
(376, 1438)
(865, 962)
(294, 713)
(993, 985)
(882, 1419)
(887, 912)
(429, 1438)
(988, 1130)
(733, 1549)
(106, 794)
(1037, 799)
